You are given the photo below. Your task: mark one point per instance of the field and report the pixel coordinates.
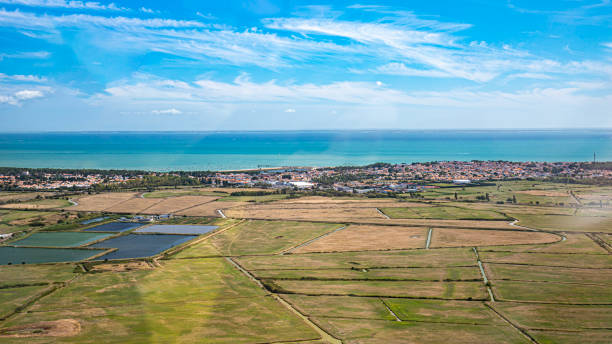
(316, 269)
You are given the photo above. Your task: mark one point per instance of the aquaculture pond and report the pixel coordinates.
(115, 227)
(60, 239)
(97, 219)
(31, 255)
(140, 245)
(177, 229)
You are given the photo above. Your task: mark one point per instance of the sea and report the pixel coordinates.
(233, 150)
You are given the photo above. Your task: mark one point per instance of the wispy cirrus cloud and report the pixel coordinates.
(83, 5)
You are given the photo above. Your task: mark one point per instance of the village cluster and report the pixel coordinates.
(379, 177)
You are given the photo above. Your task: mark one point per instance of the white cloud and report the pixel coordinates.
(27, 55)
(167, 112)
(23, 78)
(290, 110)
(88, 5)
(17, 97)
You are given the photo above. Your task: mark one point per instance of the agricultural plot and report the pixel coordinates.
(450, 237)
(566, 223)
(443, 213)
(573, 243)
(177, 229)
(31, 255)
(175, 204)
(552, 292)
(101, 202)
(140, 245)
(260, 237)
(438, 274)
(16, 220)
(38, 204)
(368, 238)
(552, 274)
(133, 206)
(208, 209)
(363, 260)
(184, 301)
(556, 317)
(60, 239)
(413, 289)
(115, 227)
(578, 260)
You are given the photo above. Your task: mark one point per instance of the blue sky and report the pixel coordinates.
(298, 65)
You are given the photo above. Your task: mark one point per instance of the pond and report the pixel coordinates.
(115, 227)
(140, 245)
(60, 239)
(177, 229)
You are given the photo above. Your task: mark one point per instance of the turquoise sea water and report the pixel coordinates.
(163, 151)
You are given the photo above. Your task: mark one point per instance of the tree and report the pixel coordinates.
(514, 199)
(455, 195)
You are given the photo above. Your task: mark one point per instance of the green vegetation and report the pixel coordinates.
(260, 237)
(13, 298)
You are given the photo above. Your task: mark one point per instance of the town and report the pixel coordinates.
(379, 177)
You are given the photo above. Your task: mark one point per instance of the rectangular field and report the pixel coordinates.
(368, 238)
(537, 259)
(552, 292)
(364, 260)
(101, 202)
(574, 243)
(443, 213)
(414, 289)
(548, 274)
(412, 274)
(451, 237)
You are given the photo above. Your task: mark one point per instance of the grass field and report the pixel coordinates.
(182, 301)
(260, 237)
(566, 222)
(38, 204)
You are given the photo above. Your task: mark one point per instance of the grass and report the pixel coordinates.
(12, 298)
(260, 237)
(559, 317)
(40, 204)
(184, 301)
(445, 290)
(340, 306)
(365, 331)
(566, 223)
(550, 259)
(548, 274)
(255, 199)
(572, 337)
(182, 192)
(423, 274)
(552, 292)
(32, 274)
(465, 312)
(442, 213)
(361, 260)
(574, 243)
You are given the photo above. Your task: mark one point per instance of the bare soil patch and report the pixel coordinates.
(367, 238)
(171, 205)
(208, 209)
(102, 201)
(546, 193)
(57, 328)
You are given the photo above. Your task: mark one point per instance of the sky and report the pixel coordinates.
(303, 65)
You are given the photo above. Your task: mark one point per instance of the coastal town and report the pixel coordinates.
(379, 177)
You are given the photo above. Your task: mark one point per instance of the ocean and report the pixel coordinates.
(167, 151)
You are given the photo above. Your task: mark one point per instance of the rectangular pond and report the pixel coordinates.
(60, 239)
(177, 229)
(31, 255)
(115, 227)
(97, 219)
(140, 245)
